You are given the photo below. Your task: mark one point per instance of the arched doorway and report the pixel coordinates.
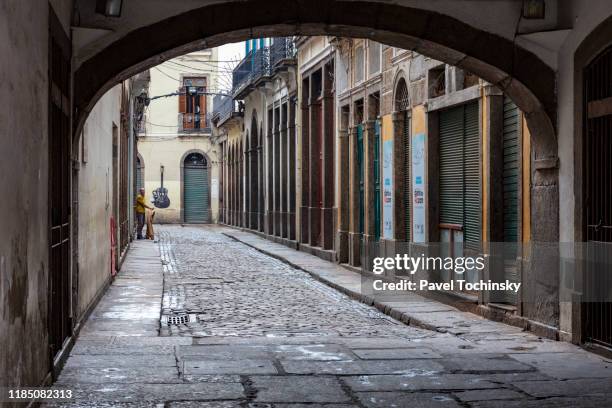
(196, 199)
(402, 109)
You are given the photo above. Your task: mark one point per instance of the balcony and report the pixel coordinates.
(194, 123)
(253, 68)
(224, 108)
(242, 74)
(282, 52)
(261, 64)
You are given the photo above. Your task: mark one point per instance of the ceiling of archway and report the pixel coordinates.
(473, 34)
(95, 32)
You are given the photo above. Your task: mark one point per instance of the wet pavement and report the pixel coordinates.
(201, 320)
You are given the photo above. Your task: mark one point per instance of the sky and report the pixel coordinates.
(232, 53)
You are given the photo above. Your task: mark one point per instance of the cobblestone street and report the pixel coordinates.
(239, 328)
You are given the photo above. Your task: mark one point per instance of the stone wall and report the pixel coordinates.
(95, 181)
(24, 359)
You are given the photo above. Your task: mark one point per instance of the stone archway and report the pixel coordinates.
(531, 84)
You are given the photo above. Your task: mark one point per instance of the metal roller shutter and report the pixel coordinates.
(451, 166)
(472, 185)
(407, 175)
(195, 195)
(511, 170)
(377, 197)
(460, 170)
(512, 159)
(360, 172)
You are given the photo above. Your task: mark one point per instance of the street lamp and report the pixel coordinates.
(110, 8)
(534, 9)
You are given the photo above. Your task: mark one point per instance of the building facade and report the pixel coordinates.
(178, 161)
(436, 161)
(386, 152)
(260, 140)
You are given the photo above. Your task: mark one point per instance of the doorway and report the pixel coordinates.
(196, 202)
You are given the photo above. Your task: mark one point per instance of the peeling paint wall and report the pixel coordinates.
(95, 198)
(24, 357)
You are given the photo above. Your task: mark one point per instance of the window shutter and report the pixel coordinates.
(182, 100)
(511, 170)
(451, 166)
(471, 160)
(460, 171)
(407, 175)
(203, 105)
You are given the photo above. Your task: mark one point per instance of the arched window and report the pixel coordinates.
(402, 99)
(195, 160)
(402, 106)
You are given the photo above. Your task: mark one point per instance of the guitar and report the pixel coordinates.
(160, 195)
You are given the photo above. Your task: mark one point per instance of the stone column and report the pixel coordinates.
(283, 171)
(243, 209)
(305, 171)
(370, 196)
(248, 169)
(233, 192)
(328, 171)
(269, 181)
(342, 246)
(260, 183)
(316, 193)
(277, 167)
(292, 170)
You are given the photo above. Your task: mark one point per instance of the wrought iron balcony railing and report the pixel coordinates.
(261, 63)
(223, 108)
(255, 66)
(282, 49)
(242, 73)
(194, 123)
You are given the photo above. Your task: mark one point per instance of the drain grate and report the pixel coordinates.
(178, 319)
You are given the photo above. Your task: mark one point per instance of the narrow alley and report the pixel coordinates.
(200, 319)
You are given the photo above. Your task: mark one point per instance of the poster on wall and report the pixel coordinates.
(387, 173)
(214, 189)
(418, 188)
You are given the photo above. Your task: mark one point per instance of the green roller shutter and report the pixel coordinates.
(511, 170)
(377, 197)
(407, 175)
(512, 161)
(195, 194)
(471, 154)
(360, 172)
(451, 166)
(460, 170)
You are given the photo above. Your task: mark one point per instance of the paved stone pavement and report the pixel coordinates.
(217, 323)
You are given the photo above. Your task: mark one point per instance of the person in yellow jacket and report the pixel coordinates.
(141, 209)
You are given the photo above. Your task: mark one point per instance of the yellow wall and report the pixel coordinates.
(484, 170)
(526, 200)
(419, 120)
(169, 152)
